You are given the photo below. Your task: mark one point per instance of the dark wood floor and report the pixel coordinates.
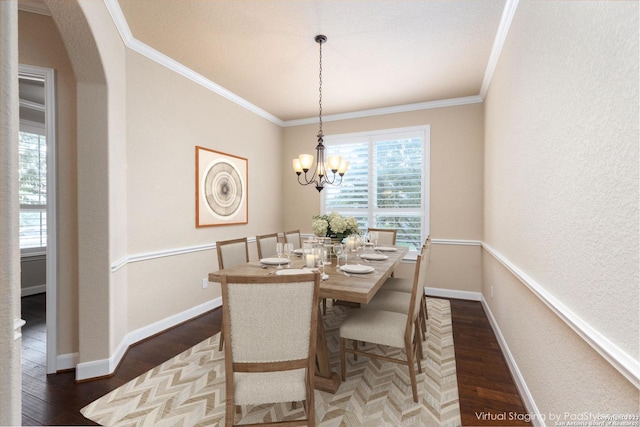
(484, 382)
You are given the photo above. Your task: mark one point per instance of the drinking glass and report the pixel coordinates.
(279, 250)
(288, 250)
(373, 235)
(360, 245)
(338, 249)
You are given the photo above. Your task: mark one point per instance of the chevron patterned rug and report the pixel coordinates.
(188, 390)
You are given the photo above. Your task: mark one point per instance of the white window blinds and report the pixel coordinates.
(387, 183)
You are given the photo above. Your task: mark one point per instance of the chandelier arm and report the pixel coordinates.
(306, 181)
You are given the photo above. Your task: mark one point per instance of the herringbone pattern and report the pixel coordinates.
(188, 390)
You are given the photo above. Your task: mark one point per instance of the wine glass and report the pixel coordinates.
(338, 249)
(279, 251)
(288, 250)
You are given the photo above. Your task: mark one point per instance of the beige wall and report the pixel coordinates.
(555, 190)
(456, 175)
(40, 44)
(561, 198)
(167, 117)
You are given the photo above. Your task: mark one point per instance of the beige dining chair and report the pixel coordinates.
(294, 238)
(230, 254)
(266, 244)
(386, 237)
(271, 324)
(405, 285)
(388, 328)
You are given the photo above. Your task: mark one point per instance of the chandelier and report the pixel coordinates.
(333, 164)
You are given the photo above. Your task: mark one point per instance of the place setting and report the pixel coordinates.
(355, 270)
(282, 249)
(301, 251)
(385, 249)
(274, 261)
(373, 257)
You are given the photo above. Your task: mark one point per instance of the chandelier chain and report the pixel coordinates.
(320, 93)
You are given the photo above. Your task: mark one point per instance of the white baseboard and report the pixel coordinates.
(33, 290)
(67, 361)
(452, 293)
(104, 367)
(527, 398)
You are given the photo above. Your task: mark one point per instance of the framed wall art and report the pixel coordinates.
(221, 188)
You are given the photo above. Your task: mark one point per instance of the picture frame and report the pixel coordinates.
(221, 188)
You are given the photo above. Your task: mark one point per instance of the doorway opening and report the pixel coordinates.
(38, 220)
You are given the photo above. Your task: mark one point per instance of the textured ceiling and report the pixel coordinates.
(378, 54)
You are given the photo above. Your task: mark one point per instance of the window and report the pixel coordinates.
(33, 187)
(387, 184)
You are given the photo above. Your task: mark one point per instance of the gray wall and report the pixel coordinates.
(33, 275)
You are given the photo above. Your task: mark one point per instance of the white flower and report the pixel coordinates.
(338, 224)
(320, 227)
(334, 224)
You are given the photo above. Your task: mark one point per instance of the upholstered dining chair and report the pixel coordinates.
(293, 237)
(271, 325)
(387, 328)
(231, 253)
(405, 285)
(385, 236)
(266, 244)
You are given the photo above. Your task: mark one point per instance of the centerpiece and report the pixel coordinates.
(334, 226)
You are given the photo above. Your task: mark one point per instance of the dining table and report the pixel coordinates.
(370, 269)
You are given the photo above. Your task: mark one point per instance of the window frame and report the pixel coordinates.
(371, 137)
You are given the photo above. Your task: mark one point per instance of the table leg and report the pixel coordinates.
(325, 379)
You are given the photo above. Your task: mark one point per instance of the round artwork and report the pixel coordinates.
(223, 189)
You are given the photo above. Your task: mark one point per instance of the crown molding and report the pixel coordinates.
(162, 59)
(498, 43)
(143, 49)
(388, 110)
(33, 6)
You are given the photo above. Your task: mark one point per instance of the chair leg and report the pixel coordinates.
(424, 303)
(355, 347)
(230, 414)
(324, 306)
(311, 408)
(412, 369)
(419, 349)
(343, 359)
(221, 344)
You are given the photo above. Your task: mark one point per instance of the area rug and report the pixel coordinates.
(188, 390)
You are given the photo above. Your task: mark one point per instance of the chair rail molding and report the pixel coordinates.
(620, 360)
(117, 265)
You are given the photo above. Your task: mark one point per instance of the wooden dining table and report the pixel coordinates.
(352, 288)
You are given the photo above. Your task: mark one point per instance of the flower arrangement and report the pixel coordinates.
(334, 225)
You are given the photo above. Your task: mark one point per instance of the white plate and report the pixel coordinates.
(357, 268)
(274, 261)
(301, 251)
(288, 271)
(375, 257)
(386, 249)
